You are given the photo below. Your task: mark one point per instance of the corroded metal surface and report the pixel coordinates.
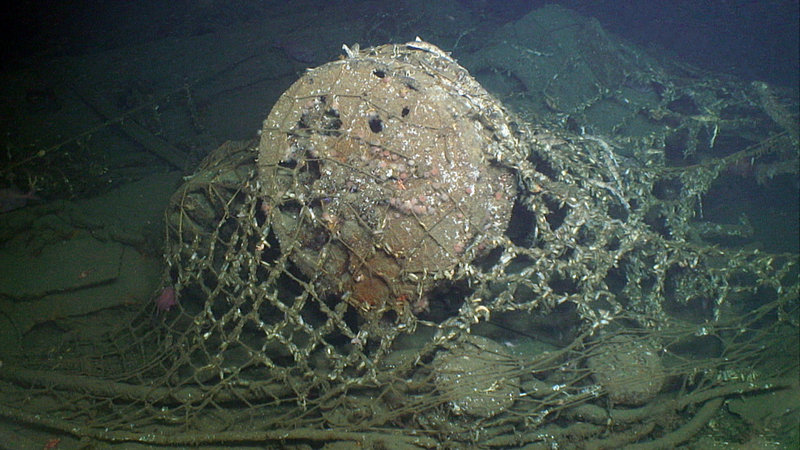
(381, 172)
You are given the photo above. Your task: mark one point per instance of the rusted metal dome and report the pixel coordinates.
(381, 172)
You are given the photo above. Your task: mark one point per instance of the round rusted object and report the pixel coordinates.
(629, 369)
(380, 173)
(478, 377)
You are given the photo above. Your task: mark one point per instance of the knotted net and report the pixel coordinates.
(355, 274)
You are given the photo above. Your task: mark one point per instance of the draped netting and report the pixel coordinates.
(400, 260)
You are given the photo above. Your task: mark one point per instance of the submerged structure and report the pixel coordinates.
(396, 224)
(402, 260)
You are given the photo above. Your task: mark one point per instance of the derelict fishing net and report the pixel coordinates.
(402, 261)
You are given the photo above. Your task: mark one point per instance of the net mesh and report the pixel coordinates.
(355, 274)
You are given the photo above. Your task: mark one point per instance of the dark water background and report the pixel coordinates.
(754, 40)
(749, 40)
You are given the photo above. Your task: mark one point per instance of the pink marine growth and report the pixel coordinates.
(166, 300)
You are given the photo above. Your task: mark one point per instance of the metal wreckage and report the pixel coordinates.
(402, 262)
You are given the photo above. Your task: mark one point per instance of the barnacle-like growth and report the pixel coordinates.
(383, 172)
